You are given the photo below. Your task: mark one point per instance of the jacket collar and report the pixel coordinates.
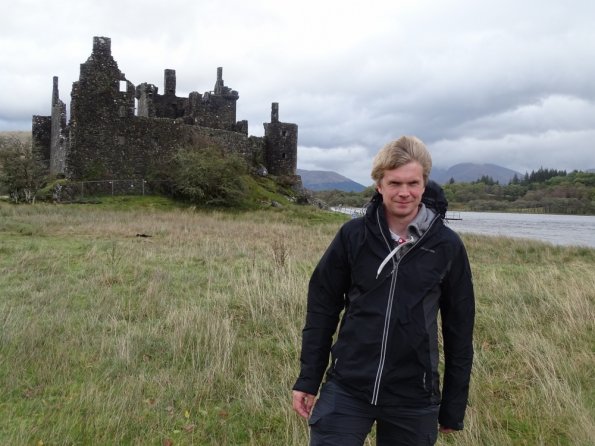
(417, 227)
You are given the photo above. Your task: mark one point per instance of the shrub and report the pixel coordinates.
(208, 177)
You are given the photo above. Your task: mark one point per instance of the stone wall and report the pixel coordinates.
(142, 147)
(42, 136)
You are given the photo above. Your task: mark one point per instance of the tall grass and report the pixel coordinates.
(190, 335)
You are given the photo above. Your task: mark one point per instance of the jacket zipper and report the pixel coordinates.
(389, 307)
(384, 344)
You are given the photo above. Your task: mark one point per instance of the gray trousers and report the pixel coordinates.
(339, 419)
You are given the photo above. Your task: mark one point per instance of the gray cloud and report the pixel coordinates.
(505, 82)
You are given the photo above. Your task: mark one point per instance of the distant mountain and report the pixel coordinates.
(317, 180)
(467, 172)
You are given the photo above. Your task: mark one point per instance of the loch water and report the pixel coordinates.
(567, 230)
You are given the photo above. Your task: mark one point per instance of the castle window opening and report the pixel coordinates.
(123, 87)
(283, 155)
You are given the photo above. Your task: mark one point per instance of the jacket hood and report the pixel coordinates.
(435, 199)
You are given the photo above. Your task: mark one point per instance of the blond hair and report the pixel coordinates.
(400, 152)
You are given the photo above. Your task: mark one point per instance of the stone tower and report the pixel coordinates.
(281, 144)
(58, 141)
(50, 134)
(102, 99)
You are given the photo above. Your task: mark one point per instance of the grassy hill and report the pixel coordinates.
(190, 334)
(20, 135)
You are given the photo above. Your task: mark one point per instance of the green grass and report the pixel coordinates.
(192, 334)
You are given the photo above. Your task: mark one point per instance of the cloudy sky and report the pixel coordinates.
(505, 82)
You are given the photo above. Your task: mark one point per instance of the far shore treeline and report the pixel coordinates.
(542, 191)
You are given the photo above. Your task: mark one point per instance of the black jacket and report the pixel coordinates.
(386, 351)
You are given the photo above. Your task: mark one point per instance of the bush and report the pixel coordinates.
(208, 177)
(22, 173)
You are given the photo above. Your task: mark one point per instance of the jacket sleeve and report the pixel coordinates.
(457, 309)
(326, 299)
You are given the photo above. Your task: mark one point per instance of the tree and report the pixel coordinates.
(485, 179)
(542, 175)
(22, 171)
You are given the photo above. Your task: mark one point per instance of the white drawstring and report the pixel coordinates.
(392, 253)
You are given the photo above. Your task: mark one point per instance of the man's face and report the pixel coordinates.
(402, 189)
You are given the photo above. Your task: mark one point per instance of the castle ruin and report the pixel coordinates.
(118, 130)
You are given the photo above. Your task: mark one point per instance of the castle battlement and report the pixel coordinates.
(121, 130)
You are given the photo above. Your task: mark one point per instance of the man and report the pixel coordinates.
(389, 273)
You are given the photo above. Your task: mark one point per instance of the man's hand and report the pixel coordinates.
(303, 403)
(446, 430)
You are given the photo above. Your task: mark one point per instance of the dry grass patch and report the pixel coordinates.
(192, 334)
